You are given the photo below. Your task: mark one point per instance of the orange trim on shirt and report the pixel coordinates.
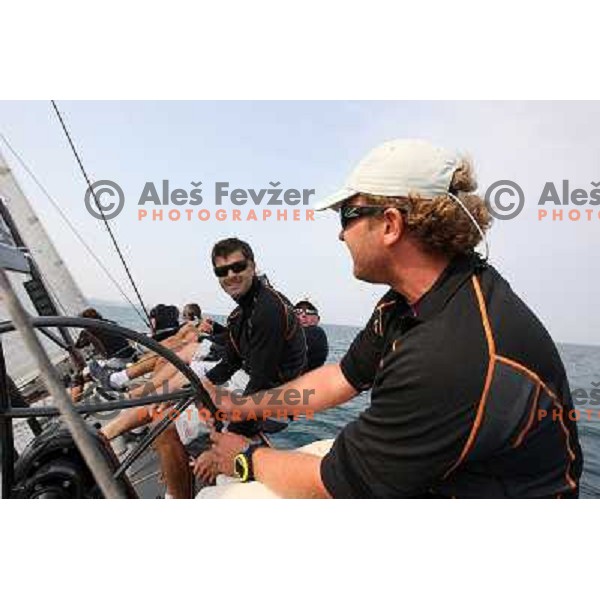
(378, 324)
(529, 423)
(488, 378)
(533, 376)
(484, 317)
(493, 357)
(570, 452)
(541, 385)
(235, 346)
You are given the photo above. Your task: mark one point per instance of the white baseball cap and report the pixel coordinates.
(398, 168)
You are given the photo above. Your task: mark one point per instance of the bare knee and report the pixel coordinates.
(167, 438)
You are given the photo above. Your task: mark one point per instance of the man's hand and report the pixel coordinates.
(205, 326)
(205, 467)
(225, 447)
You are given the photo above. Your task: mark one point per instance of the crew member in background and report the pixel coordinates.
(108, 345)
(164, 321)
(317, 347)
(114, 348)
(191, 331)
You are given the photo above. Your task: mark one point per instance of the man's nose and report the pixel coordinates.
(341, 235)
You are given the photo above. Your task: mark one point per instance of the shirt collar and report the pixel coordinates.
(248, 298)
(447, 284)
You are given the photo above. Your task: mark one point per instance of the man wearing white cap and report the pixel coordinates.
(469, 397)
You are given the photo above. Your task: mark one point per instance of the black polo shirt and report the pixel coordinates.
(459, 385)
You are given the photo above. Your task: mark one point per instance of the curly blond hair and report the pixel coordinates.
(440, 224)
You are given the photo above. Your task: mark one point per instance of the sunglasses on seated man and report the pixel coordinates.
(309, 312)
(236, 267)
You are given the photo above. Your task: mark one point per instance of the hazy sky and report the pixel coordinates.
(308, 145)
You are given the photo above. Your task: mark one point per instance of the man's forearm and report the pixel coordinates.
(289, 474)
(315, 391)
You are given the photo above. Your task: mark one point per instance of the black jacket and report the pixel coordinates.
(265, 339)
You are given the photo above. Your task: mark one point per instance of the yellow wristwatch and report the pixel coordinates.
(242, 463)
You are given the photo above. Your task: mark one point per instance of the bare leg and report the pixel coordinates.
(174, 463)
(127, 420)
(141, 367)
(131, 418)
(181, 350)
(149, 360)
(167, 379)
(171, 452)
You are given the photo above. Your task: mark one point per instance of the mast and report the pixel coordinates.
(39, 244)
(50, 287)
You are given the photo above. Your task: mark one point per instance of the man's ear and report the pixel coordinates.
(393, 226)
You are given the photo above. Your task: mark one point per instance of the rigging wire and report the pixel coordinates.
(71, 227)
(99, 207)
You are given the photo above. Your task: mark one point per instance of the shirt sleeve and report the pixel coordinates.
(361, 362)
(227, 366)
(217, 328)
(267, 341)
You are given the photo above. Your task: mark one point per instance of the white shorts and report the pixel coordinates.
(202, 351)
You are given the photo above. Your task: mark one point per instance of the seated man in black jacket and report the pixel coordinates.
(265, 337)
(317, 346)
(265, 340)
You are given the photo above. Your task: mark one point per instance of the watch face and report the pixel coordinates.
(240, 466)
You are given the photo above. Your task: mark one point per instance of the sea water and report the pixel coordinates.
(581, 362)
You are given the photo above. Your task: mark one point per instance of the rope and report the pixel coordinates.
(71, 227)
(110, 233)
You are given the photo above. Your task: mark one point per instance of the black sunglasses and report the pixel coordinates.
(309, 312)
(236, 267)
(349, 213)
